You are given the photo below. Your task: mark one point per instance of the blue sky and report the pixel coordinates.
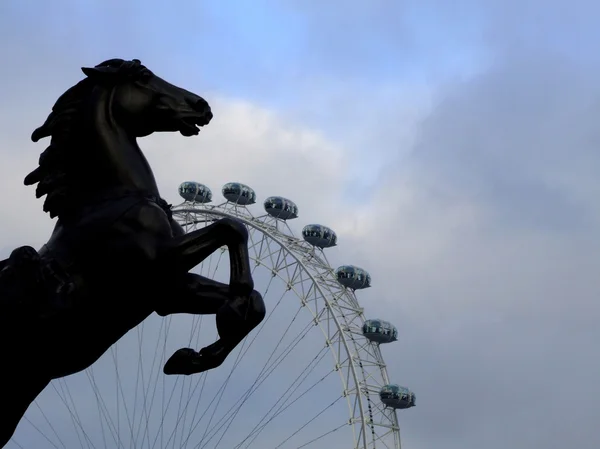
(453, 146)
(275, 42)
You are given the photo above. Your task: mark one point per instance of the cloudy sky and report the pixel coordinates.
(453, 146)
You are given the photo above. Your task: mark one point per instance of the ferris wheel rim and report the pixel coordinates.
(241, 213)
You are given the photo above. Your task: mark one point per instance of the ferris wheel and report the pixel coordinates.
(311, 375)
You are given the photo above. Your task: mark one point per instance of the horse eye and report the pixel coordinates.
(146, 75)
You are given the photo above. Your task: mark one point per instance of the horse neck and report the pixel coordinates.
(118, 161)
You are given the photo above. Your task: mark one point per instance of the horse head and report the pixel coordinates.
(143, 103)
(94, 126)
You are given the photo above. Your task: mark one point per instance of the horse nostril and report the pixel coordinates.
(203, 107)
(198, 103)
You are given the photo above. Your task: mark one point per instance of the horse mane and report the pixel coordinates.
(55, 177)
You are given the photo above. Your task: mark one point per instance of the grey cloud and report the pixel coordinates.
(525, 141)
(489, 260)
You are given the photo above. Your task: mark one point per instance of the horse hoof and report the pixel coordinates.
(186, 361)
(181, 362)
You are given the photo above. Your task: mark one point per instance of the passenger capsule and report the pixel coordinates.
(319, 236)
(397, 397)
(238, 193)
(379, 331)
(353, 277)
(195, 192)
(282, 208)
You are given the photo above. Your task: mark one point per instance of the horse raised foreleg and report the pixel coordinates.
(236, 317)
(193, 294)
(186, 251)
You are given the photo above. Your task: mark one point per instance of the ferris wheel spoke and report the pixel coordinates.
(202, 378)
(255, 432)
(308, 422)
(147, 403)
(219, 393)
(268, 370)
(19, 445)
(221, 252)
(65, 402)
(47, 421)
(314, 440)
(166, 407)
(120, 392)
(160, 433)
(243, 351)
(182, 415)
(249, 391)
(153, 379)
(67, 399)
(103, 414)
(181, 411)
(138, 375)
(41, 432)
(260, 426)
(303, 376)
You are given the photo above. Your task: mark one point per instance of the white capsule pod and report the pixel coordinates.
(195, 192)
(353, 277)
(281, 208)
(397, 397)
(319, 236)
(379, 331)
(238, 193)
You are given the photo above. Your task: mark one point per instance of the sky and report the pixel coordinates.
(452, 147)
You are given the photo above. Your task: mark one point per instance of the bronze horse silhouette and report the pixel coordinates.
(116, 255)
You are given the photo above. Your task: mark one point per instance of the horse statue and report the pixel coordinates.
(116, 255)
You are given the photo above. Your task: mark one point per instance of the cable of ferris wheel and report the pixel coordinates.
(256, 384)
(308, 422)
(271, 369)
(283, 407)
(252, 388)
(304, 374)
(314, 440)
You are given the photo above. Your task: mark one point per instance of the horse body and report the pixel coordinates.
(119, 253)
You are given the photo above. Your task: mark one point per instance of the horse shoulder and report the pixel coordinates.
(146, 227)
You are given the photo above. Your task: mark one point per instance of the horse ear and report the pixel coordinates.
(39, 133)
(99, 73)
